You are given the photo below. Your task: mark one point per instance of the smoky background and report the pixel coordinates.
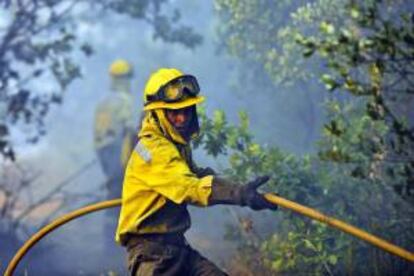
(287, 117)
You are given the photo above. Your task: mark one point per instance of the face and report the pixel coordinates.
(180, 118)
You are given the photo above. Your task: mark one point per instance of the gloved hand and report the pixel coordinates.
(201, 172)
(226, 192)
(250, 197)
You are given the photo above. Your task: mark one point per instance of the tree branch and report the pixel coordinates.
(54, 191)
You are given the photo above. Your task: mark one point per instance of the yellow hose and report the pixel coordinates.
(55, 224)
(382, 244)
(313, 214)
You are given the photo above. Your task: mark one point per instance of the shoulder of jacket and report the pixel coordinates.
(143, 152)
(155, 146)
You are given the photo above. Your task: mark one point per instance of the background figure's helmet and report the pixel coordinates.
(121, 72)
(161, 78)
(120, 68)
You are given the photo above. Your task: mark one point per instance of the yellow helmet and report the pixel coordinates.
(161, 78)
(120, 67)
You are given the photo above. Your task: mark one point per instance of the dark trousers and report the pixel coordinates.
(154, 256)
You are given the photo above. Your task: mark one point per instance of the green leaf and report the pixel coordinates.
(308, 52)
(354, 12)
(327, 28)
(329, 82)
(309, 244)
(277, 265)
(333, 259)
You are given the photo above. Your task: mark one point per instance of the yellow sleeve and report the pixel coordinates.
(161, 168)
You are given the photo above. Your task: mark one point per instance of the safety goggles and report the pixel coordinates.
(176, 90)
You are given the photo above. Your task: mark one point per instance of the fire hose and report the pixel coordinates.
(282, 202)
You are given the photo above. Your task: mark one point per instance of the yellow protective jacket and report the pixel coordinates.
(158, 184)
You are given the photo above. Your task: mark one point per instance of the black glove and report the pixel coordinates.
(201, 172)
(225, 192)
(253, 199)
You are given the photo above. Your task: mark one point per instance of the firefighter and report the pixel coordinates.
(114, 127)
(114, 135)
(161, 179)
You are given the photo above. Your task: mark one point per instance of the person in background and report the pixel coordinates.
(114, 135)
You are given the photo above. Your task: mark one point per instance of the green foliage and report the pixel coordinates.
(255, 31)
(291, 177)
(361, 51)
(268, 33)
(366, 53)
(355, 136)
(301, 252)
(296, 245)
(370, 59)
(261, 35)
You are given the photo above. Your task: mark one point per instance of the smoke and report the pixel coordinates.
(81, 246)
